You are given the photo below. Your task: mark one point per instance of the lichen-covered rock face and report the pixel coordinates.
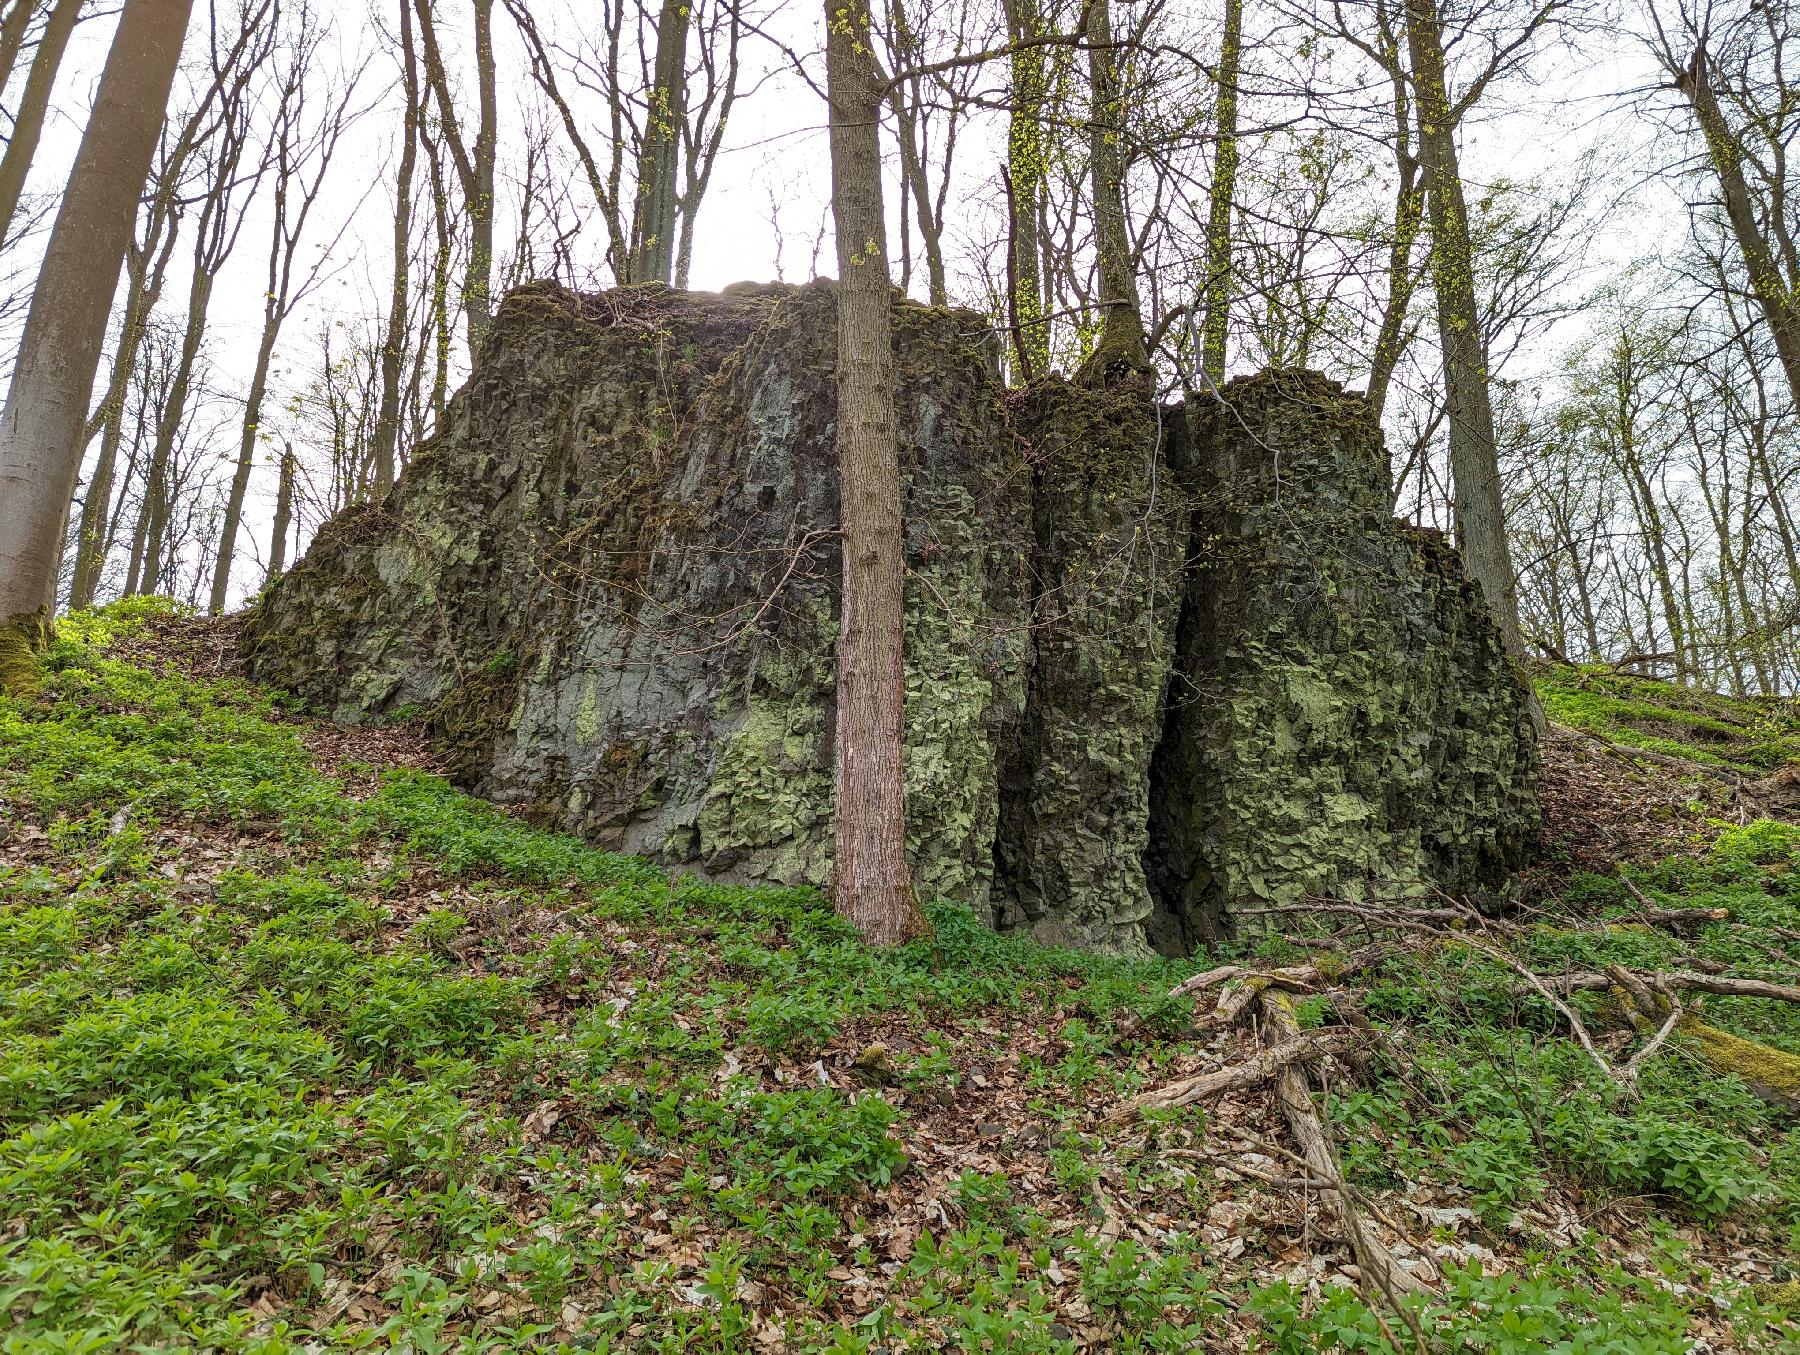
(1162, 664)
(612, 579)
(1344, 722)
(1112, 521)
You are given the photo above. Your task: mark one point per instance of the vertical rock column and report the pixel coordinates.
(1342, 719)
(1111, 523)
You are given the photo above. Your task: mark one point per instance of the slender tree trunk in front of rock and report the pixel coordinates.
(65, 330)
(872, 886)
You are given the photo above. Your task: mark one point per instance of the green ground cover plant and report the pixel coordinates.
(302, 1055)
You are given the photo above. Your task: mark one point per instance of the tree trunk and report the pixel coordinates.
(872, 885)
(1027, 170)
(34, 102)
(246, 461)
(915, 183)
(1409, 213)
(143, 288)
(393, 343)
(653, 242)
(65, 330)
(477, 315)
(1474, 458)
(474, 167)
(13, 29)
(1221, 199)
(1121, 343)
(1775, 295)
(284, 512)
(168, 431)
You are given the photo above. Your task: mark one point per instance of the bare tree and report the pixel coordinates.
(473, 160)
(28, 119)
(1750, 157)
(393, 344)
(1121, 343)
(303, 149)
(229, 188)
(1222, 197)
(654, 226)
(46, 405)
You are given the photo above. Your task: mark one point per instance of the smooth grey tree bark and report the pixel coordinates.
(65, 329)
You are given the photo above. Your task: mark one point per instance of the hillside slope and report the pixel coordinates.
(301, 1049)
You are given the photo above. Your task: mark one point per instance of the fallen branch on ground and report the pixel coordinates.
(1258, 1068)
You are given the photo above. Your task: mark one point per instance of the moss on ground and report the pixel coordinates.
(22, 642)
(1748, 736)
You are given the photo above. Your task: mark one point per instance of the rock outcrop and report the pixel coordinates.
(1162, 663)
(1343, 718)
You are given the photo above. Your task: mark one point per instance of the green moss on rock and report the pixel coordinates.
(1347, 723)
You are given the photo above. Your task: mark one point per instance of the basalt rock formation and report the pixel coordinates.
(1164, 663)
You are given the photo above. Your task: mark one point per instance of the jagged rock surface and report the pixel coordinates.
(1346, 721)
(1111, 523)
(613, 582)
(1161, 663)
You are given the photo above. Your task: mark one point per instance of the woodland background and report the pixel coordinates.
(343, 191)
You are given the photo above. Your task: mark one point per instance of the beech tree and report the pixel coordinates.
(46, 405)
(28, 119)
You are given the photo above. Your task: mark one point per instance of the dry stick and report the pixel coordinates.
(1717, 984)
(1235, 999)
(1257, 1068)
(1637, 1060)
(1656, 913)
(1568, 1012)
(1211, 978)
(1372, 1256)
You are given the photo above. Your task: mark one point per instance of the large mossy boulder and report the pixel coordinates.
(1345, 720)
(1163, 664)
(612, 580)
(1111, 521)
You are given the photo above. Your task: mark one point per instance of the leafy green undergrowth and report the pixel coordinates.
(282, 1069)
(1751, 736)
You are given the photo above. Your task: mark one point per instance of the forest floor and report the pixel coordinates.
(302, 1049)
